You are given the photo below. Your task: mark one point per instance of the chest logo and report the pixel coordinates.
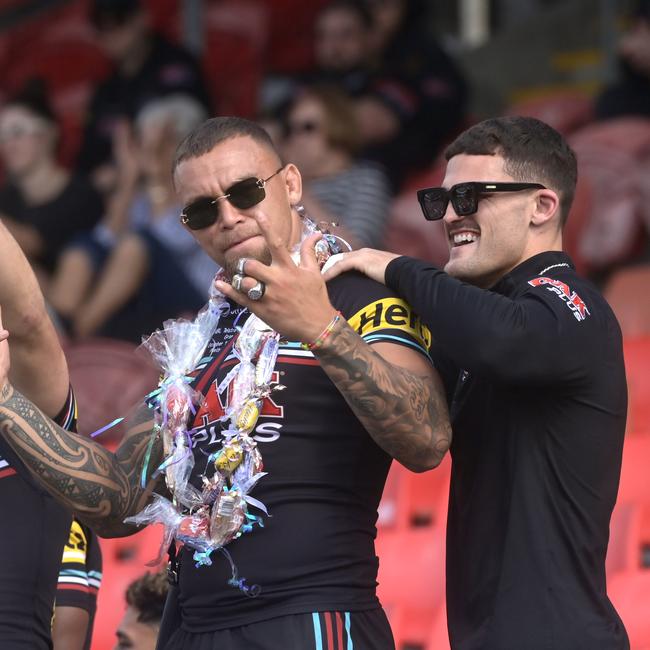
(571, 298)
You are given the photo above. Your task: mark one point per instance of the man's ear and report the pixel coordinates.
(547, 207)
(293, 181)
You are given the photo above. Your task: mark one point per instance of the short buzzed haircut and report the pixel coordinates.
(216, 130)
(533, 152)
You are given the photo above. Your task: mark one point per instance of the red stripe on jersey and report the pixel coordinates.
(328, 627)
(10, 471)
(70, 587)
(339, 629)
(299, 362)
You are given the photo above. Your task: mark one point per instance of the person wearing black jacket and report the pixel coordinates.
(532, 359)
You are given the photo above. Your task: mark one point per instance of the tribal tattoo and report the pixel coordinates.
(101, 488)
(405, 414)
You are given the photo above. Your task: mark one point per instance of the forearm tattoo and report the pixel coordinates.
(404, 413)
(101, 488)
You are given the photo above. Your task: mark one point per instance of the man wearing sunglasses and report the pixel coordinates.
(535, 375)
(326, 441)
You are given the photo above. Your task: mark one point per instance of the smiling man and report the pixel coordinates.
(533, 363)
(360, 390)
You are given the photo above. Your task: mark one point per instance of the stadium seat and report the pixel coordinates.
(415, 500)
(68, 59)
(627, 292)
(564, 111)
(630, 594)
(411, 580)
(109, 381)
(439, 634)
(234, 45)
(637, 370)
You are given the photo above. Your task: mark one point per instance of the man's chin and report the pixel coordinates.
(261, 255)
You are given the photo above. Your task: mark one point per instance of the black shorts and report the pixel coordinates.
(368, 630)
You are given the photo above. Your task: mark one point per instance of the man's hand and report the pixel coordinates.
(4, 360)
(295, 301)
(368, 261)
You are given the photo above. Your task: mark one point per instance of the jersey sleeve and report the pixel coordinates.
(81, 570)
(67, 416)
(551, 331)
(377, 314)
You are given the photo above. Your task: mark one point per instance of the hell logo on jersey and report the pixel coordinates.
(571, 298)
(390, 313)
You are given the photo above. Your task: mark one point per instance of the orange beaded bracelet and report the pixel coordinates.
(320, 339)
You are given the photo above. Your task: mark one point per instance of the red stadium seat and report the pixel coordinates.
(637, 370)
(565, 111)
(439, 634)
(233, 53)
(627, 292)
(415, 500)
(630, 593)
(411, 549)
(109, 380)
(411, 580)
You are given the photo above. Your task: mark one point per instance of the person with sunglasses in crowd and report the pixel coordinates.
(531, 355)
(359, 390)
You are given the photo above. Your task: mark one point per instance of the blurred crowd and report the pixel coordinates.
(365, 114)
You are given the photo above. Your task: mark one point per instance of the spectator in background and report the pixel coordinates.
(147, 267)
(631, 94)
(76, 594)
(42, 204)
(323, 141)
(409, 96)
(419, 95)
(146, 67)
(145, 598)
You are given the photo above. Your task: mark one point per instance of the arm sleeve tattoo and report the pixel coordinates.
(404, 413)
(101, 488)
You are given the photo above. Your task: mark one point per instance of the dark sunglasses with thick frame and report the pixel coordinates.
(464, 197)
(242, 195)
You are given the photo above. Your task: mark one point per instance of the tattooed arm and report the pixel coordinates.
(395, 393)
(99, 487)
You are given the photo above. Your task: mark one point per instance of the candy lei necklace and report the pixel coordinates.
(208, 519)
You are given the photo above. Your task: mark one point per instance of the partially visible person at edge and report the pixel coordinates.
(76, 594)
(361, 392)
(531, 355)
(35, 526)
(145, 599)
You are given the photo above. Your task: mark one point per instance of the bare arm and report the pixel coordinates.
(394, 392)
(69, 628)
(34, 341)
(99, 487)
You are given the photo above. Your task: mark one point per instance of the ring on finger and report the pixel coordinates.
(237, 279)
(257, 291)
(241, 264)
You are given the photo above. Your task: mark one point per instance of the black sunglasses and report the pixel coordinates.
(242, 195)
(464, 197)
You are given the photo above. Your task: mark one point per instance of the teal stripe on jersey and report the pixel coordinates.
(347, 629)
(317, 632)
(385, 337)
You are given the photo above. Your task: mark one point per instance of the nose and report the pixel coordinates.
(450, 215)
(228, 215)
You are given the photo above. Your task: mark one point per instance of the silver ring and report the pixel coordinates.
(256, 292)
(241, 263)
(237, 279)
